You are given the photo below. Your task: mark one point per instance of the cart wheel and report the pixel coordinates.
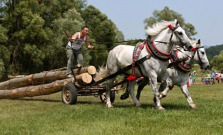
(69, 94)
(112, 96)
(103, 97)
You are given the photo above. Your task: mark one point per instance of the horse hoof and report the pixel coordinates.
(109, 106)
(124, 96)
(162, 96)
(161, 108)
(138, 105)
(193, 106)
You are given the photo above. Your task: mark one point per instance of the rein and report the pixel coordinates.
(110, 42)
(154, 51)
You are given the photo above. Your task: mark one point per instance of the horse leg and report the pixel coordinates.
(184, 89)
(131, 91)
(165, 87)
(126, 94)
(109, 86)
(141, 85)
(156, 93)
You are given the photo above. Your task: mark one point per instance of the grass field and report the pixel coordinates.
(48, 115)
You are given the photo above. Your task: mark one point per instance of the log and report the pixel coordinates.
(17, 76)
(97, 77)
(38, 90)
(90, 69)
(33, 79)
(59, 69)
(43, 77)
(84, 79)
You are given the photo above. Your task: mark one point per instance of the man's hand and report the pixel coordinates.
(71, 40)
(90, 46)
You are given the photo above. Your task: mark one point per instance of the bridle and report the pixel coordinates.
(198, 55)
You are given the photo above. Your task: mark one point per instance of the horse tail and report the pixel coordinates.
(103, 72)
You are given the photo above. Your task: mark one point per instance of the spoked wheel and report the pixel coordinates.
(69, 94)
(103, 96)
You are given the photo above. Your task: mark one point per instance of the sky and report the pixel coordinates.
(129, 15)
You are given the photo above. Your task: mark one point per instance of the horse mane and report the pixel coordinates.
(156, 28)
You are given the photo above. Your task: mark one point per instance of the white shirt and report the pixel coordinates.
(76, 45)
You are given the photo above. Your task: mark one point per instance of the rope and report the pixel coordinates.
(102, 49)
(110, 42)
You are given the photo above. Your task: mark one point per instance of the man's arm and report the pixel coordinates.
(74, 37)
(88, 43)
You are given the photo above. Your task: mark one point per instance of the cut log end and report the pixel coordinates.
(84, 78)
(91, 70)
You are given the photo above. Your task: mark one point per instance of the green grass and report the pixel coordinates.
(48, 115)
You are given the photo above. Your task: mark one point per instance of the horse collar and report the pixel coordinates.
(154, 51)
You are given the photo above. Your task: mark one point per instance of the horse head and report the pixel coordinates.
(170, 33)
(200, 55)
(179, 36)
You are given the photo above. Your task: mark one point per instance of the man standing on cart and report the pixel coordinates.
(73, 49)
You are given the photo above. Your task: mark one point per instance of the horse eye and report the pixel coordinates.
(180, 33)
(202, 52)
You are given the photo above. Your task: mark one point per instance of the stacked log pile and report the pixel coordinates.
(44, 83)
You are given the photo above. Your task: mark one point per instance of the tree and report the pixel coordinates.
(170, 15)
(213, 50)
(217, 61)
(54, 9)
(27, 35)
(4, 52)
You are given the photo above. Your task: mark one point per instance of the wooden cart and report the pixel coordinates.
(70, 91)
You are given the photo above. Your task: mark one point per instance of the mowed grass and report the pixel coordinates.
(48, 115)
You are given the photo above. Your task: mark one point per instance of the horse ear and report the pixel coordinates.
(176, 22)
(199, 41)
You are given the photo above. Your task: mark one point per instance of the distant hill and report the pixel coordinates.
(213, 50)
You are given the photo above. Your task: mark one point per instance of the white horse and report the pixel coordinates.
(164, 35)
(179, 73)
